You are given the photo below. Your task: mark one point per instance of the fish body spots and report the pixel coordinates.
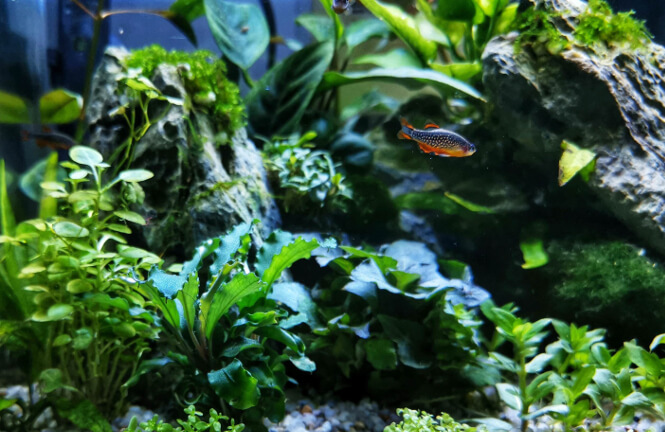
(438, 141)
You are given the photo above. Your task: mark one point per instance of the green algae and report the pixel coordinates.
(205, 80)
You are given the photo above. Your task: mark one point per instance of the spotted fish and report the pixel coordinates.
(434, 140)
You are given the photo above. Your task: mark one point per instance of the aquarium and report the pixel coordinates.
(332, 215)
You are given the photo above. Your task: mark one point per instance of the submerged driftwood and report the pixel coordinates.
(612, 103)
(200, 190)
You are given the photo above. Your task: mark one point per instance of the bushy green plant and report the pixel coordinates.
(222, 327)
(387, 315)
(420, 421)
(76, 313)
(576, 378)
(308, 180)
(194, 423)
(205, 80)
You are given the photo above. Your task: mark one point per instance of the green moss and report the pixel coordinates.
(610, 284)
(597, 27)
(205, 82)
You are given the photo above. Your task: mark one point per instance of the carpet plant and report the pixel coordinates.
(70, 305)
(222, 326)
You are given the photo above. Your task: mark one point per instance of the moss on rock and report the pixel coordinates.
(205, 82)
(608, 284)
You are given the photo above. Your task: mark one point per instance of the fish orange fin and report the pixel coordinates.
(431, 125)
(402, 135)
(405, 123)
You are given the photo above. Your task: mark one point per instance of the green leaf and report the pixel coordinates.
(83, 414)
(70, 230)
(476, 208)
(549, 409)
(277, 102)
(363, 30)
(321, 27)
(216, 302)
(130, 216)
(381, 353)
(296, 297)
(13, 109)
(404, 27)
(573, 160)
(427, 201)
(59, 311)
(145, 367)
(280, 335)
(78, 286)
(538, 363)
(409, 337)
(272, 246)
(240, 30)
(459, 70)
(86, 156)
(30, 181)
(456, 10)
(399, 57)
(407, 76)
(60, 106)
(656, 341)
(188, 9)
(534, 253)
(339, 28)
(637, 400)
(52, 379)
(82, 339)
(582, 378)
(292, 252)
(135, 175)
(510, 395)
(644, 359)
(6, 403)
(188, 297)
(48, 206)
(235, 385)
(61, 340)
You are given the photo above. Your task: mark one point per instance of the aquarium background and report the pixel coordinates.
(262, 246)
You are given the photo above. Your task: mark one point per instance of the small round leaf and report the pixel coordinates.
(70, 229)
(59, 311)
(78, 286)
(63, 339)
(86, 156)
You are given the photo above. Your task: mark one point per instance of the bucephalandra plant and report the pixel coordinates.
(88, 327)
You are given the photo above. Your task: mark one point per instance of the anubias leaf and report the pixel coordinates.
(277, 102)
(235, 385)
(240, 30)
(575, 160)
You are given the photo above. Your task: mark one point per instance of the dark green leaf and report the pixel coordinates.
(292, 252)
(399, 57)
(52, 379)
(235, 385)
(82, 339)
(296, 297)
(83, 414)
(280, 335)
(240, 30)
(381, 354)
(408, 76)
(60, 106)
(145, 367)
(456, 10)
(188, 9)
(409, 337)
(70, 230)
(277, 102)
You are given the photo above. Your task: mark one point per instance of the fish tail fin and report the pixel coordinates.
(402, 135)
(405, 123)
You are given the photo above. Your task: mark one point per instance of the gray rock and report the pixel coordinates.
(200, 189)
(611, 102)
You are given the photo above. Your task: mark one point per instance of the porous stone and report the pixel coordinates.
(200, 188)
(611, 102)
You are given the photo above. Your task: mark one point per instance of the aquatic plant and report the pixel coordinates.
(597, 27)
(193, 423)
(205, 79)
(308, 180)
(224, 330)
(386, 315)
(421, 421)
(64, 277)
(576, 377)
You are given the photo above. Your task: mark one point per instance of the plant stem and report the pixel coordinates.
(270, 18)
(522, 383)
(90, 68)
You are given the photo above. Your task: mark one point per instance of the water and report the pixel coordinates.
(253, 230)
